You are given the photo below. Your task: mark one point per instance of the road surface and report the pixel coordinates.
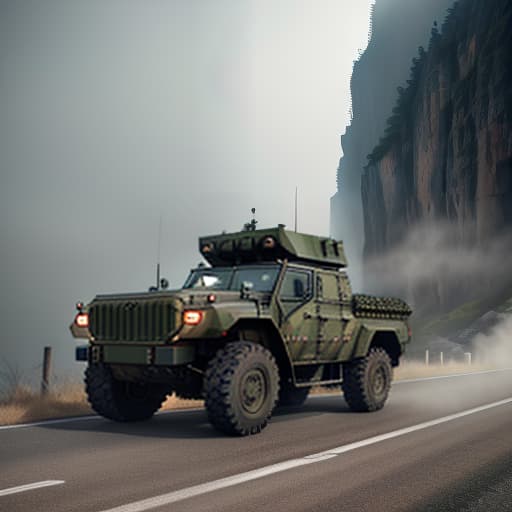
(439, 444)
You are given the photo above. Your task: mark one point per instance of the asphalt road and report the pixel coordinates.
(438, 445)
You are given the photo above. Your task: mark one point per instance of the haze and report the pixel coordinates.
(116, 113)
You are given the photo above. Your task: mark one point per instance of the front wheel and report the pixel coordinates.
(119, 400)
(241, 388)
(367, 381)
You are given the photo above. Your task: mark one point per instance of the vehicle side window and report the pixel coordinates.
(296, 286)
(329, 285)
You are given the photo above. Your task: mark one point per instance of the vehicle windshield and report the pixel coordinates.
(257, 279)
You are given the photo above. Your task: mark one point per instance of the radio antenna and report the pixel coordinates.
(158, 253)
(295, 209)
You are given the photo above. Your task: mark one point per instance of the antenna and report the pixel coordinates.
(158, 253)
(295, 209)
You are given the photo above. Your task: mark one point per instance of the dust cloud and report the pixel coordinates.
(494, 349)
(439, 266)
(491, 369)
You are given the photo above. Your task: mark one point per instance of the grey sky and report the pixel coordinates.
(113, 113)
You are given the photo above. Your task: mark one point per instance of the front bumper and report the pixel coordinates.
(140, 355)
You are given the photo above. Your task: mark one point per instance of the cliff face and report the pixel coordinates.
(446, 154)
(381, 68)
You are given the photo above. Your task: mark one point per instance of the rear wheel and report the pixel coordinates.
(367, 381)
(241, 388)
(121, 400)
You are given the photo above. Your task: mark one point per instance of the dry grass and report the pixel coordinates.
(25, 405)
(417, 370)
(173, 402)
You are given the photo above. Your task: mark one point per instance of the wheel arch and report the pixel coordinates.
(385, 338)
(388, 340)
(266, 333)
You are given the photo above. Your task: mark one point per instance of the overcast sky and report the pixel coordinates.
(115, 112)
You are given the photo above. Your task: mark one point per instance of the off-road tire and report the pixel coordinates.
(290, 396)
(119, 400)
(241, 388)
(366, 381)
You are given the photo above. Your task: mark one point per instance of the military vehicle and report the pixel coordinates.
(271, 316)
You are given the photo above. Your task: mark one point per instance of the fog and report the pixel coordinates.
(494, 348)
(114, 113)
(445, 396)
(438, 266)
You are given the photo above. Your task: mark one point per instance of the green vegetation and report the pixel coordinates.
(462, 316)
(453, 321)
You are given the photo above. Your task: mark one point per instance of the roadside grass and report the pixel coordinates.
(24, 405)
(418, 369)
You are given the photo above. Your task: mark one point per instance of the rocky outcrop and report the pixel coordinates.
(448, 149)
(380, 69)
(446, 153)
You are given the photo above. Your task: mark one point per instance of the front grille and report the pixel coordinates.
(132, 320)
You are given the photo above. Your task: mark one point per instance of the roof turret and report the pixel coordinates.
(252, 246)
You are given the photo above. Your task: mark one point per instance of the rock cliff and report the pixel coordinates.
(445, 155)
(397, 28)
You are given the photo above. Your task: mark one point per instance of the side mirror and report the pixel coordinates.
(164, 283)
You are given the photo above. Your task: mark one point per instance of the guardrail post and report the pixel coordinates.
(467, 355)
(427, 358)
(47, 365)
(441, 358)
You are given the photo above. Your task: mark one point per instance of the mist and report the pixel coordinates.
(494, 349)
(437, 266)
(116, 113)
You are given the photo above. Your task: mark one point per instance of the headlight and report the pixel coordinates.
(82, 320)
(192, 317)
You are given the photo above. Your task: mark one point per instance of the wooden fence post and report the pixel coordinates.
(47, 365)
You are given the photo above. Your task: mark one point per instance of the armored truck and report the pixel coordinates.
(269, 317)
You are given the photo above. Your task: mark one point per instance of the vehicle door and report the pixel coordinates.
(329, 300)
(299, 320)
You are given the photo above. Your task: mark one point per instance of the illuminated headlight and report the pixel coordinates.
(82, 320)
(192, 317)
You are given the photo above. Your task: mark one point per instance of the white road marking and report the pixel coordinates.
(449, 376)
(421, 379)
(84, 418)
(30, 487)
(48, 422)
(402, 431)
(197, 490)
(196, 409)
